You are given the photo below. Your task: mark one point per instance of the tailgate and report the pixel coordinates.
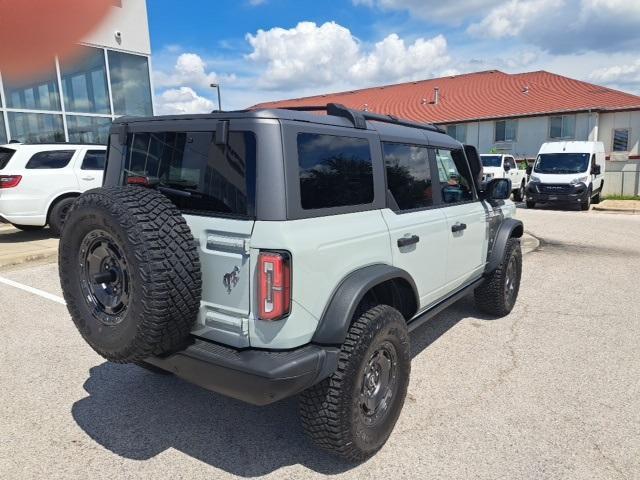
(226, 278)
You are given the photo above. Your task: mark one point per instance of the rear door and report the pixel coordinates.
(214, 187)
(465, 216)
(90, 168)
(418, 228)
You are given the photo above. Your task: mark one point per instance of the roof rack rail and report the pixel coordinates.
(359, 118)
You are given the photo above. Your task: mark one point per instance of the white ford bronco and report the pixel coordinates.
(264, 254)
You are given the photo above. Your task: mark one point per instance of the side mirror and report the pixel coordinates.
(596, 169)
(529, 169)
(498, 189)
(507, 167)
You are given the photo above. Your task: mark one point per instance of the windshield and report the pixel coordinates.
(491, 160)
(562, 163)
(5, 156)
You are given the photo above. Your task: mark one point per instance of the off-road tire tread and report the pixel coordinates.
(490, 296)
(167, 253)
(319, 406)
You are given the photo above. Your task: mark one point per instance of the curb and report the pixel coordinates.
(631, 211)
(529, 243)
(51, 254)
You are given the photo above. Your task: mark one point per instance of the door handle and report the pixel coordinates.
(88, 178)
(458, 227)
(406, 241)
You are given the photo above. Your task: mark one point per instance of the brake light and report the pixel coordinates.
(144, 181)
(274, 285)
(9, 181)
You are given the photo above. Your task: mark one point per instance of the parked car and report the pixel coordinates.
(504, 166)
(269, 253)
(39, 182)
(567, 172)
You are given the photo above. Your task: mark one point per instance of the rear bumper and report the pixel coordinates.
(543, 193)
(254, 376)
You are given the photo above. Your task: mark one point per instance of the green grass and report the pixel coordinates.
(622, 197)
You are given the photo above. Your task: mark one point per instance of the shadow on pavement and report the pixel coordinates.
(18, 236)
(138, 414)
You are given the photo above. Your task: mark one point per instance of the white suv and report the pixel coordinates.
(39, 182)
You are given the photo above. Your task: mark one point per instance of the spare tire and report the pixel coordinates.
(130, 273)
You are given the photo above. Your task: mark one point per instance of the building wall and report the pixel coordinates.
(78, 97)
(131, 20)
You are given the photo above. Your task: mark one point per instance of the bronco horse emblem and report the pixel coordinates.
(230, 280)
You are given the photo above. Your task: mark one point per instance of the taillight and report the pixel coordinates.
(144, 181)
(9, 181)
(274, 285)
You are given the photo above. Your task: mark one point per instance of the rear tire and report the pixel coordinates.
(499, 292)
(352, 413)
(28, 228)
(598, 198)
(59, 214)
(130, 273)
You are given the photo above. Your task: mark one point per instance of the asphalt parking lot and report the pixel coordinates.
(551, 391)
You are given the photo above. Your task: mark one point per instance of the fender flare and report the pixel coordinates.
(509, 227)
(336, 318)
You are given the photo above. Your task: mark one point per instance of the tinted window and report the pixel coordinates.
(491, 160)
(5, 156)
(54, 159)
(130, 85)
(334, 171)
(198, 175)
(454, 176)
(408, 175)
(94, 160)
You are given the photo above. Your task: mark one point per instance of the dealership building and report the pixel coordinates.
(76, 99)
(513, 113)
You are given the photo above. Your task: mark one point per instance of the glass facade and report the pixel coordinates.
(76, 99)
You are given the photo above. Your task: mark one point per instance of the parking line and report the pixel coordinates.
(35, 291)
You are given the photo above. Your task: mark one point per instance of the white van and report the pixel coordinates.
(567, 172)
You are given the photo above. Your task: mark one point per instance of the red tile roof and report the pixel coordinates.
(474, 96)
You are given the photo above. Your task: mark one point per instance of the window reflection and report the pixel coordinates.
(84, 82)
(36, 127)
(36, 93)
(88, 129)
(3, 132)
(130, 85)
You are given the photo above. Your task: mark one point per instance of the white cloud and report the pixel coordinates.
(626, 76)
(329, 54)
(182, 100)
(562, 26)
(189, 70)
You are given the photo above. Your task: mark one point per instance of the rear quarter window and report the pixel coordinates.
(5, 156)
(334, 171)
(54, 159)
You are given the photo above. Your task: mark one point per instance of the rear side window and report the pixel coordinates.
(454, 176)
(50, 160)
(5, 156)
(408, 175)
(94, 160)
(199, 176)
(334, 171)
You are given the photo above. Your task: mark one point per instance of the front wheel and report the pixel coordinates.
(352, 413)
(498, 293)
(518, 195)
(586, 204)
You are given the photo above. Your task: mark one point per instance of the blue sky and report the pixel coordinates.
(262, 50)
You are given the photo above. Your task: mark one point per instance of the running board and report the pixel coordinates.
(431, 312)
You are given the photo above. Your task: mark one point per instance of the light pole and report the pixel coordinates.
(217, 87)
